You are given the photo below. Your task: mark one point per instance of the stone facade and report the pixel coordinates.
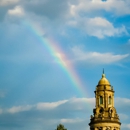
(104, 115)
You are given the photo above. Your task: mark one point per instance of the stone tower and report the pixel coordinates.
(104, 116)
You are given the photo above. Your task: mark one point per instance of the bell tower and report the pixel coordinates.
(104, 115)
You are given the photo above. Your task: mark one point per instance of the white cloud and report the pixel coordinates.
(7, 2)
(125, 126)
(80, 101)
(86, 15)
(95, 6)
(17, 109)
(17, 11)
(77, 120)
(48, 106)
(66, 112)
(125, 102)
(70, 12)
(73, 103)
(123, 116)
(98, 27)
(96, 57)
(116, 6)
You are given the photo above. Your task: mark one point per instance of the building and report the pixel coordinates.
(104, 115)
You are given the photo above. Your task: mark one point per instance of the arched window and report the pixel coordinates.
(101, 100)
(109, 100)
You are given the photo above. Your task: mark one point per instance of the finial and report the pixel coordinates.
(103, 70)
(103, 75)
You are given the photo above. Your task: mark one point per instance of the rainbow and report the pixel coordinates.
(54, 49)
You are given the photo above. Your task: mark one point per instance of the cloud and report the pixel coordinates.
(47, 8)
(17, 109)
(69, 8)
(69, 12)
(6, 5)
(48, 115)
(124, 106)
(123, 116)
(125, 126)
(96, 57)
(8, 2)
(18, 11)
(98, 6)
(77, 120)
(98, 27)
(47, 106)
(74, 113)
(66, 105)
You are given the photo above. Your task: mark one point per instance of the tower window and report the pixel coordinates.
(101, 100)
(109, 100)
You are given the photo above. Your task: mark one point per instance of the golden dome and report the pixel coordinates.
(103, 80)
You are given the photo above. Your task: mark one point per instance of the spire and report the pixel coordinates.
(103, 75)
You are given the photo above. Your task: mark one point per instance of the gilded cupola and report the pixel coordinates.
(104, 84)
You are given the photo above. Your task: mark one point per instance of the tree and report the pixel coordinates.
(60, 127)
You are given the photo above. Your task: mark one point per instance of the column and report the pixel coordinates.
(96, 101)
(106, 101)
(113, 100)
(104, 128)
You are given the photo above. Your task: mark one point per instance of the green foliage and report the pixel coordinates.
(60, 127)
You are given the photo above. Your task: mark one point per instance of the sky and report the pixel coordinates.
(52, 55)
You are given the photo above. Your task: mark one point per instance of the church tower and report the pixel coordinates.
(104, 116)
